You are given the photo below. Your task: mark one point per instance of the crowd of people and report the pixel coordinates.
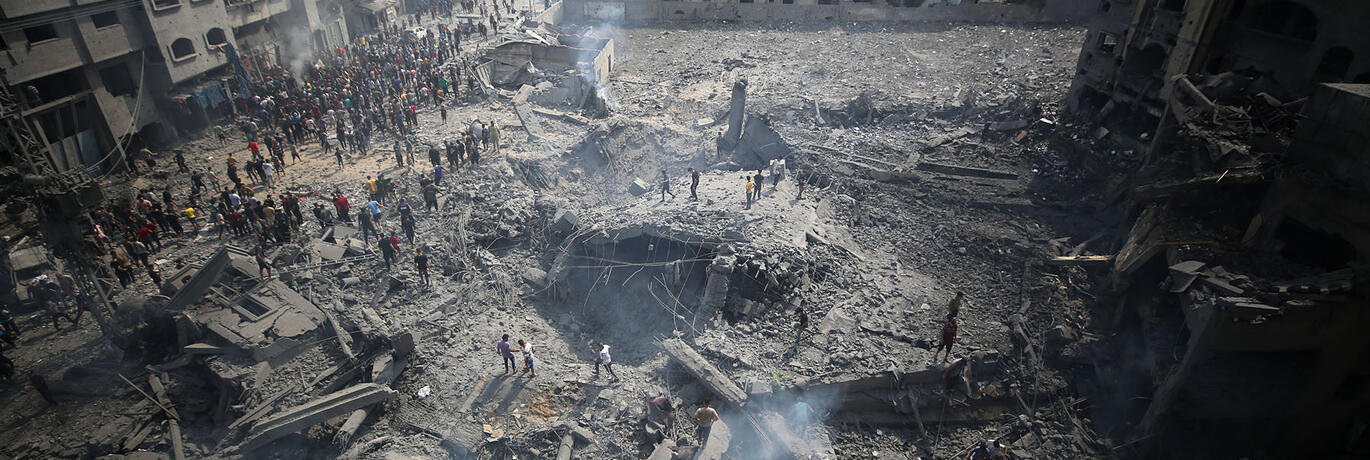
(360, 100)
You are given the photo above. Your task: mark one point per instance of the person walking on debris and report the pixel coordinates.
(430, 197)
(387, 251)
(665, 182)
(374, 208)
(750, 185)
(407, 226)
(694, 185)
(803, 317)
(605, 359)
(41, 385)
(494, 137)
(340, 203)
(948, 337)
(705, 416)
(800, 183)
(506, 354)
(368, 228)
(323, 214)
(421, 264)
(777, 172)
(263, 268)
(954, 306)
(760, 182)
(527, 349)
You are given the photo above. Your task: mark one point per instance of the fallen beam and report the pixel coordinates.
(178, 448)
(964, 171)
(297, 418)
(384, 371)
(1079, 260)
(168, 412)
(707, 374)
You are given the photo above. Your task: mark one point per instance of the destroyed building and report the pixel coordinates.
(1141, 222)
(1240, 275)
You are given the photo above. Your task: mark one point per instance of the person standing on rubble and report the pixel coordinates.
(388, 250)
(494, 137)
(750, 185)
(506, 354)
(954, 306)
(760, 182)
(705, 416)
(948, 337)
(606, 360)
(372, 188)
(368, 229)
(527, 349)
(407, 226)
(374, 208)
(665, 182)
(340, 203)
(263, 268)
(694, 185)
(430, 197)
(421, 264)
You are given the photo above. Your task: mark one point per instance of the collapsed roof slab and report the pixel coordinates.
(297, 418)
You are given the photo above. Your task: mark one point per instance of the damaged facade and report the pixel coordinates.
(101, 80)
(1249, 198)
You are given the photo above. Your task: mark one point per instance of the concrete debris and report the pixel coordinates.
(717, 383)
(297, 418)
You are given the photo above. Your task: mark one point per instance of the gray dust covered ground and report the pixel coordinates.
(884, 121)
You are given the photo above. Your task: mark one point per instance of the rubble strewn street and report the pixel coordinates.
(497, 231)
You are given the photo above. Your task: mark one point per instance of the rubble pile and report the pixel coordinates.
(934, 169)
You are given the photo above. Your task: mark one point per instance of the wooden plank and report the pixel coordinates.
(707, 374)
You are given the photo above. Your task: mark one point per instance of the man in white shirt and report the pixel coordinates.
(527, 349)
(606, 360)
(268, 173)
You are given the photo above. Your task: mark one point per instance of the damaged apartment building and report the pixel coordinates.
(1240, 276)
(98, 80)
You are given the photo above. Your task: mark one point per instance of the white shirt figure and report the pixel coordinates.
(604, 354)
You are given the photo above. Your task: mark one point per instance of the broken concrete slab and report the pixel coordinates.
(964, 171)
(707, 374)
(638, 187)
(297, 418)
(202, 349)
(565, 221)
(1008, 125)
(191, 290)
